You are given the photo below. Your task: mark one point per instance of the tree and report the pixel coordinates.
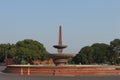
(23, 51)
(115, 46)
(4, 51)
(98, 53)
(85, 56)
(28, 50)
(101, 52)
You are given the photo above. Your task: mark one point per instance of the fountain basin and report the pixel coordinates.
(60, 59)
(59, 56)
(65, 70)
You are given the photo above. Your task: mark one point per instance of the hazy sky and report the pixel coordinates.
(84, 22)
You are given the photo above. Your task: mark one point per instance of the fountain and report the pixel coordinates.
(60, 58)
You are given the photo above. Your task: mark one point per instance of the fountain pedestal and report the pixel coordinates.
(60, 58)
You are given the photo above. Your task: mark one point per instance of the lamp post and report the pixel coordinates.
(5, 58)
(5, 55)
(6, 48)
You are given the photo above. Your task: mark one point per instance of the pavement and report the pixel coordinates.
(9, 76)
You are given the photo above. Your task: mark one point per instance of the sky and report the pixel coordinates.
(83, 22)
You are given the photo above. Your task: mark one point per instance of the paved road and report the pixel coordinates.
(6, 76)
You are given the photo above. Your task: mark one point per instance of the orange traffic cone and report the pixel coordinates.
(28, 72)
(21, 71)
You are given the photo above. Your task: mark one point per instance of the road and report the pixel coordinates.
(9, 76)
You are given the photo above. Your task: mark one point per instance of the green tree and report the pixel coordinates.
(4, 51)
(98, 53)
(28, 50)
(101, 52)
(115, 45)
(85, 56)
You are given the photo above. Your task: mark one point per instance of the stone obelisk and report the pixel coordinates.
(60, 47)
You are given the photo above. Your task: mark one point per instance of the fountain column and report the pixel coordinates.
(60, 58)
(60, 47)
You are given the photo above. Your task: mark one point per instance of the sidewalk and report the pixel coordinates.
(2, 67)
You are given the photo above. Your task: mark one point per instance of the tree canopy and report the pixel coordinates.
(23, 51)
(99, 53)
(115, 46)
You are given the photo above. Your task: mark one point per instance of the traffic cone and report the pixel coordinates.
(28, 72)
(21, 71)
